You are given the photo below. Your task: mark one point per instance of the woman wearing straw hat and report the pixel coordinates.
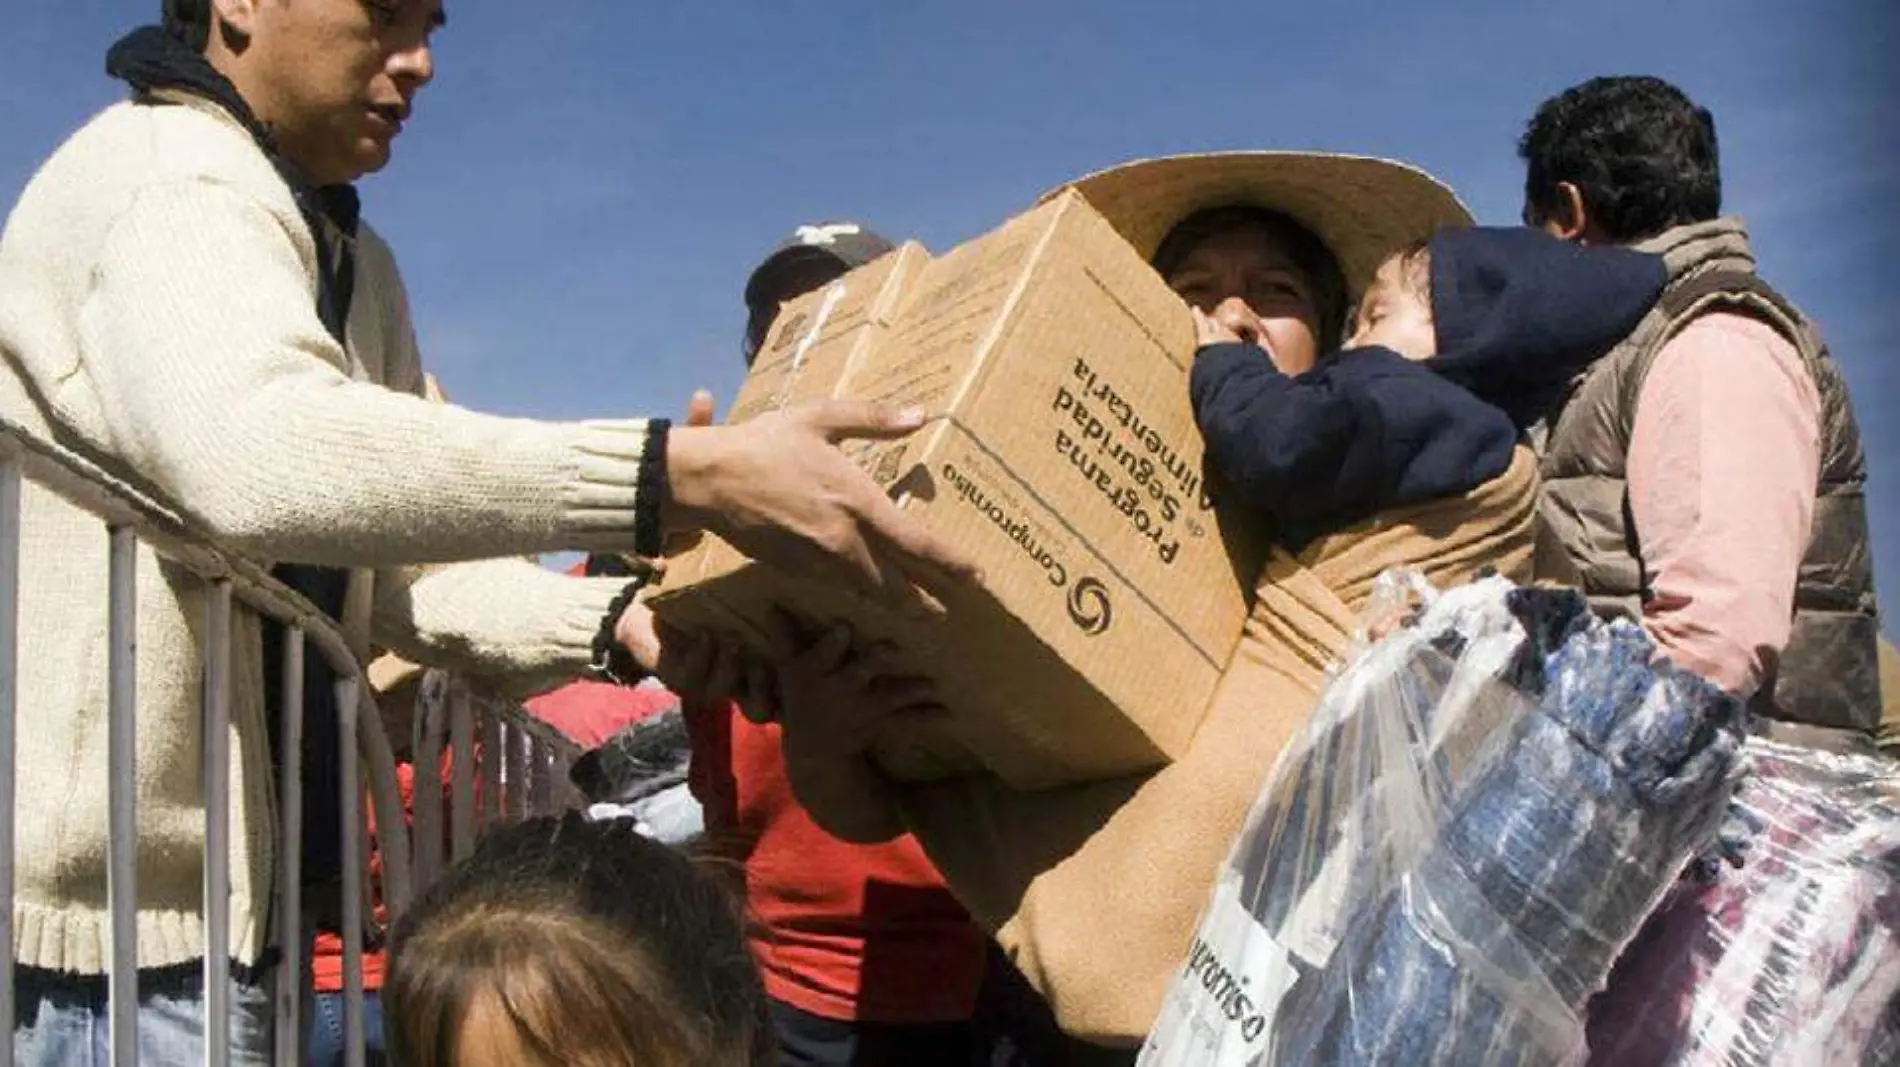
(1094, 890)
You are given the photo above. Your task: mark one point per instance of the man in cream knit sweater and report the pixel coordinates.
(187, 299)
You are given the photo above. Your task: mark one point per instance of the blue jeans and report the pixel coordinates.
(61, 1023)
(325, 1045)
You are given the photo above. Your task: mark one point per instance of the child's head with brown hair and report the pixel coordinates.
(1396, 311)
(567, 943)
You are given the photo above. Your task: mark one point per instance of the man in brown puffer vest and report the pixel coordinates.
(1706, 476)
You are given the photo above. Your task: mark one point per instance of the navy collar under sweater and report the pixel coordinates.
(1518, 315)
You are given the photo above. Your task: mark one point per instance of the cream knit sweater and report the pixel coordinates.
(157, 314)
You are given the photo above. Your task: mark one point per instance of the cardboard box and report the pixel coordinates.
(813, 343)
(818, 338)
(1064, 457)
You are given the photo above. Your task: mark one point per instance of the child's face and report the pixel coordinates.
(1395, 314)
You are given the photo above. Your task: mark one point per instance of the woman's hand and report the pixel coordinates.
(836, 698)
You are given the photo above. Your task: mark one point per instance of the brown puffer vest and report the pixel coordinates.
(1829, 673)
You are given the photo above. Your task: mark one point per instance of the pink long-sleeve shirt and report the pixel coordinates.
(1723, 464)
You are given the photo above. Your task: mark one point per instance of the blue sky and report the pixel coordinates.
(580, 195)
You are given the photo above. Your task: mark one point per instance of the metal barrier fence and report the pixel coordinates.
(522, 767)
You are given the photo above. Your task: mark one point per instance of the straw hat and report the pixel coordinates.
(1361, 208)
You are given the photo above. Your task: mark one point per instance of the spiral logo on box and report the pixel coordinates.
(1089, 606)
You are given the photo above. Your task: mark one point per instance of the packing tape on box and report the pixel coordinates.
(834, 294)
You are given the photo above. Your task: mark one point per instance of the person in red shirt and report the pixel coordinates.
(867, 958)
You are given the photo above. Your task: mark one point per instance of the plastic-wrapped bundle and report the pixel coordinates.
(1482, 811)
(641, 759)
(1790, 957)
(640, 773)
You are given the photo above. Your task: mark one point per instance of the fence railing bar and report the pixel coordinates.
(291, 937)
(426, 855)
(565, 795)
(556, 797)
(121, 791)
(493, 757)
(540, 791)
(461, 772)
(386, 802)
(217, 793)
(9, 699)
(515, 771)
(349, 709)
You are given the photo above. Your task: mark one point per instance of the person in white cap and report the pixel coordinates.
(812, 256)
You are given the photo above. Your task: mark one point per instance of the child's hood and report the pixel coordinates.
(1518, 312)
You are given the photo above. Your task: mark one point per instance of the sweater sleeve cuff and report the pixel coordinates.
(618, 486)
(648, 534)
(557, 634)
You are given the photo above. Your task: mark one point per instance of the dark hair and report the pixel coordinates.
(600, 947)
(1301, 245)
(1415, 268)
(1640, 152)
(189, 21)
(797, 277)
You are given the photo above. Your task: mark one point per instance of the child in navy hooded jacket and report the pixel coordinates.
(1458, 346)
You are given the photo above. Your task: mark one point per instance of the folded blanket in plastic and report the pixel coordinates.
(1483, 810)
(1789, 953)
